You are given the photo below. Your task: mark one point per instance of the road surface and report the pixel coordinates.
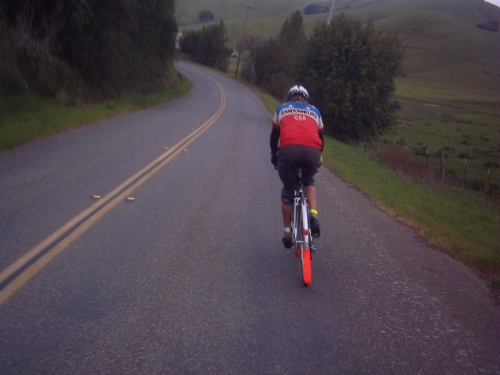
(190, 276)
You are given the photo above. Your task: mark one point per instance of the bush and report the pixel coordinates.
(116, 45)
(316, 8)
(402, 163)
(277, 84)
(401, 142)
(351, 69)
(247, 71)
(489, 26)
(492, 164)
(478, 185)
(277, 61)
(495, 191)
(206, 16)
(207, 46)
(439, 152)
(452, 177)
(422, 151)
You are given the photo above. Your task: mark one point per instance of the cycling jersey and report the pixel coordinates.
(298, 124)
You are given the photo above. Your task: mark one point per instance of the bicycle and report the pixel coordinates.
(302, 238)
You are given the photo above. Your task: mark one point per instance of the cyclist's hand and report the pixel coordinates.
(274, 160)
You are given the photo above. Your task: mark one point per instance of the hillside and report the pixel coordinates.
(447, 52)
(445, 47)
(187, 11)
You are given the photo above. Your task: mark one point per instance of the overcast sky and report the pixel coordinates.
(496, 2)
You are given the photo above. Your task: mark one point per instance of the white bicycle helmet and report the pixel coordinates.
(298, 91)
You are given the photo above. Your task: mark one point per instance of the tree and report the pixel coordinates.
(316, 8)
(105, 46)
(293, 41)
(207, 46)
(27, 52)
(350, 69)
(277, 61)
(206, 16)
(269, 64)
(120, 44)
(489, 26)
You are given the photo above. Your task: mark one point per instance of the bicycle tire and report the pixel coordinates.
(305, 254)
(306, 266)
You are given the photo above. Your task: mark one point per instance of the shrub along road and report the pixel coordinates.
(191, 276)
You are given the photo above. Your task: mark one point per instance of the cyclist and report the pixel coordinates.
(298, 132)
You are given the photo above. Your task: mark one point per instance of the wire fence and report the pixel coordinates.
(435, 170)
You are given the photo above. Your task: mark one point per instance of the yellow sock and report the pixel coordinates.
(313, 211)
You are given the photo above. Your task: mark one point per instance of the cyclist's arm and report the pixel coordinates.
(322, 141)
(273, 142)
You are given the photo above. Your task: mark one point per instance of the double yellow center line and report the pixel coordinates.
(22, 270)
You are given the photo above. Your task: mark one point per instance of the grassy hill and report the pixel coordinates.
(187, 11)
(446, 51)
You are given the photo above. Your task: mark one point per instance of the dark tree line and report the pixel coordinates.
(86, 45)
(348, 68)
(207, 46)
(206, 16)
(316, 8)
(274, 63)
(489, 26)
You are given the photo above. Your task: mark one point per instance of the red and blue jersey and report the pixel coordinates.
(299, 124)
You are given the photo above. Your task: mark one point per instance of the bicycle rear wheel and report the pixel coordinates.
(305, 251)
(306, 266)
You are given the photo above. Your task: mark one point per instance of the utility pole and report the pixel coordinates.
(242, 35)
(331, 11)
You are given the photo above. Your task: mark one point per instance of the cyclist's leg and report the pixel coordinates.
(286, 161)
(287, 211)
(311, 159)
(287, 175)
(311, 196)
(313, 212)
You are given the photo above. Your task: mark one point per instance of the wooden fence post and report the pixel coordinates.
(489, 184)
(441, 171)
(465, 174)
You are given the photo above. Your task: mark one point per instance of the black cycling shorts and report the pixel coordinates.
(293, 156)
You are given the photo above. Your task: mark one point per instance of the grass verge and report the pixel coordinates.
(449, 219)
(24, 118)
(454, 221)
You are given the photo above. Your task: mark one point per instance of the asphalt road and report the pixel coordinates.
(191, 278)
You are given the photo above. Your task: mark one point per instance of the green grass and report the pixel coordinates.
(463, 135)
(449, 219)
(24, 118)
(187, 11)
